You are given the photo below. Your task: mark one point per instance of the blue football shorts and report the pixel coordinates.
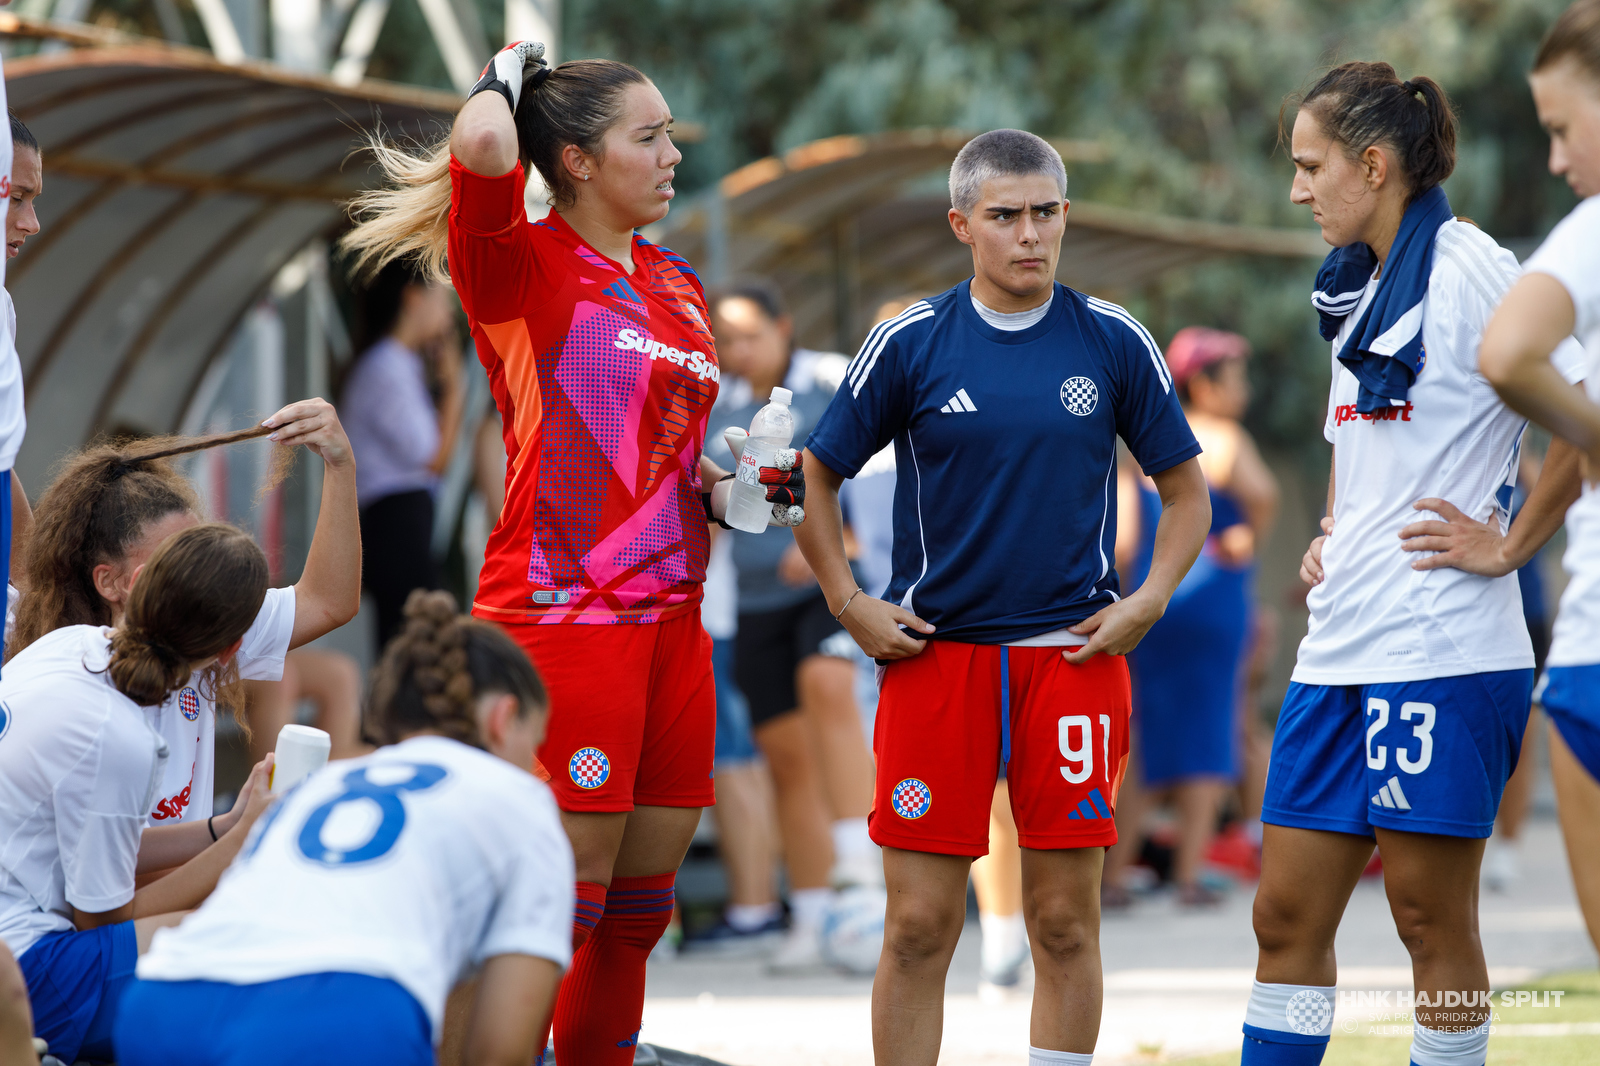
(319, 1019)
(75, 980)
(1416, 756)
(1571, 697)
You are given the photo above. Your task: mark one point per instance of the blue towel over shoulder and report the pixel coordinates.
(1385, 350)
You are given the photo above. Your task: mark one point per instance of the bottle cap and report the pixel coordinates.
(782, 396)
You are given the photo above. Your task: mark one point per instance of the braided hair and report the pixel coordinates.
(432, 674)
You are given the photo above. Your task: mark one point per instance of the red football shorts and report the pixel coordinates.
(952, 718)
(633, 712)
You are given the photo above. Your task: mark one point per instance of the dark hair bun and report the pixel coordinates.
(195, 598)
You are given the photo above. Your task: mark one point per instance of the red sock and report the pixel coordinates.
(591, 904)
(601, 1002)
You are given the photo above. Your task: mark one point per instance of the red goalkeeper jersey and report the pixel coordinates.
(604, 381)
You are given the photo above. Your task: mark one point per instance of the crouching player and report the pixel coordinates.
(379, 882)
(1004, 398)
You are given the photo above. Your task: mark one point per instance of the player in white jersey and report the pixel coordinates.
(107, 510)
(1410, 695)
(78, 765)
(380, 882)
(21, 175)
(1559, 294)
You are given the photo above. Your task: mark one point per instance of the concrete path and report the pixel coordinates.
(1176, 982)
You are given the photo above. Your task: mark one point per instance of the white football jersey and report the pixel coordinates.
(78, 768)
(13, 419)
(415, 863)
(1571, 255)
(1374, 618)
(187, 719)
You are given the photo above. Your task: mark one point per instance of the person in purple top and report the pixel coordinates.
(400, 435)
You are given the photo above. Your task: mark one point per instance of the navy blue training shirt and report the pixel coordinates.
(1006, 451)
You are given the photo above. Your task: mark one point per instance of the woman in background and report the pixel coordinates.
(1188, 671)
(401, 437)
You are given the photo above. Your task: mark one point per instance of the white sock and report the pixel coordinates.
(1038, 1056)
(1291, 1008)
(808, 905)
(747, 916)
(1004, 938)
(850, 838)
(1430, 1047)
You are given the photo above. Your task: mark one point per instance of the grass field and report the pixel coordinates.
(1579, 1005)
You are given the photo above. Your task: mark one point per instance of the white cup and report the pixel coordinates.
(301, 752)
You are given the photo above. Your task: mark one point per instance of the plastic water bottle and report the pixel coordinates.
(771, 429)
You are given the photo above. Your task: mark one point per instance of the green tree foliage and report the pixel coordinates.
(1185, 95)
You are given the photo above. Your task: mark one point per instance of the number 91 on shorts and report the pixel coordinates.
(957, 717)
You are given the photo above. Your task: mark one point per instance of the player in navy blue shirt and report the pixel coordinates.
(1004, 398)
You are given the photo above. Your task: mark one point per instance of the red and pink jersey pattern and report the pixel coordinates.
(604, 381)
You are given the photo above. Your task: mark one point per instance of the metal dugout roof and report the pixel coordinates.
(845, 223)
(176, 187)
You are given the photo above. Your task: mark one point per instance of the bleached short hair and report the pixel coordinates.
(1000, 152)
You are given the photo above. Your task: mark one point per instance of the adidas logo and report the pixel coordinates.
(960, 403)
(1092, 808)
(1391, 795)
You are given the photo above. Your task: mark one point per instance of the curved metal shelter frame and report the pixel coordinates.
(176, 188)
(845, 223)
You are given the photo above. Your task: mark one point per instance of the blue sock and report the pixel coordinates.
(1287, 1025)
(1263, 1047)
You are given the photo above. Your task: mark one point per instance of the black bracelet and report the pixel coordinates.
(705, 501)
(212, 828)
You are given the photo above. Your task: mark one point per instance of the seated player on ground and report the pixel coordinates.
(378, 883)
(1559, 293)
(78, 764)
(1410, 694)
(1004, 398)
(113, 505)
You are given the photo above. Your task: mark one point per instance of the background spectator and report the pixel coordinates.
(402, 431)
(1189, 671)
(807, 726)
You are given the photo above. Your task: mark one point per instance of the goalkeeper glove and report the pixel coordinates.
(785, 479)
(510, 67)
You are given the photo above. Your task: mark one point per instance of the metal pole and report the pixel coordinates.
(535, 20)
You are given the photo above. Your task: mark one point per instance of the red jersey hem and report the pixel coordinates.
(555, 615)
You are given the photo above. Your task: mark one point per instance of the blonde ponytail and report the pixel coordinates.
(409, 217)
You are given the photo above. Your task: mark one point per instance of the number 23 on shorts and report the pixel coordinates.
(1423, 715)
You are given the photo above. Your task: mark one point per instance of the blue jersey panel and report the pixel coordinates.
(1417, 756)
(320, 1019)
(1571, 697)
(1005, 451)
